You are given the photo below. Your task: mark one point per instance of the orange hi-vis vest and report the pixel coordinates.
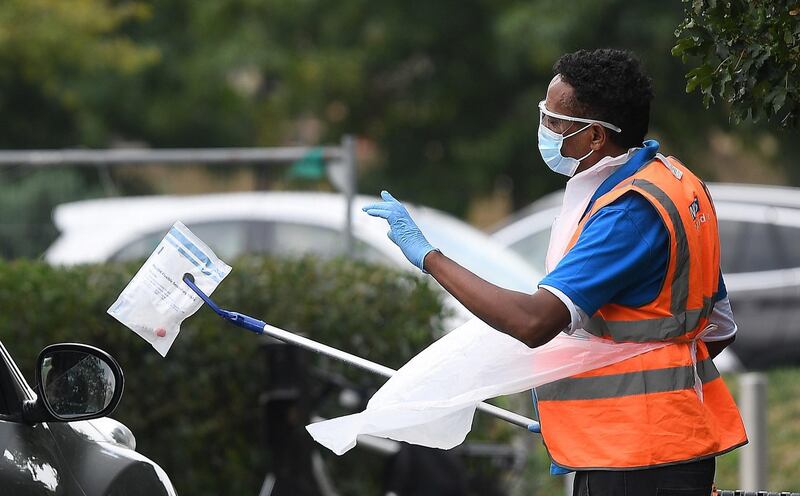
(647, 410)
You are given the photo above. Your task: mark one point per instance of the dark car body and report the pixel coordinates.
(85, 457)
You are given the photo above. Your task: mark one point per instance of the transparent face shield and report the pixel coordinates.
(550, 121)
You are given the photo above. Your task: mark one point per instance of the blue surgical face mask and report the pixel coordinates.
(550, 147)
(550, 142)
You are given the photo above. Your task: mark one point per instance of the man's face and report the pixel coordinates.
(559, 96)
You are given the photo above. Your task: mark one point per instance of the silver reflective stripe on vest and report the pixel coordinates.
(627, 384)
(680, 280)
(658, 329)
(681, 321)
(707, 370)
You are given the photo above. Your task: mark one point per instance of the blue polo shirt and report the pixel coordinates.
(622, 253)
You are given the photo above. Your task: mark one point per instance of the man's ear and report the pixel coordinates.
(598, 136)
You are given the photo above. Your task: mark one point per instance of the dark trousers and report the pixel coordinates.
(686, 479)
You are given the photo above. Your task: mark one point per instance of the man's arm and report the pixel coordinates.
(590, 275)
(533, 319)
(724, 328)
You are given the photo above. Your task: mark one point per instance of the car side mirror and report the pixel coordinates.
(74, 382)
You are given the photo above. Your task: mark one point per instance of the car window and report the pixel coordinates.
(533, 248)
(774, 248)
(4, 408)
(482, 255)
(730, 242)
(294, 239)
(232, 238)
(758, 246)
(139, 249)
(290, 239)
(228, 239)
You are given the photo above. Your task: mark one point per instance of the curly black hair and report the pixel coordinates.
(610, 85)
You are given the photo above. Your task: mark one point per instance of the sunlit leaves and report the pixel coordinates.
(746, 54)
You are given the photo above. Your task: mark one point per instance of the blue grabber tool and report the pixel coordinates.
(261, 327)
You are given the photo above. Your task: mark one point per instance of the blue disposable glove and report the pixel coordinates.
(402, 229)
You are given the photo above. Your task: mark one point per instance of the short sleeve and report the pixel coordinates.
(620, 257)
(722, 317)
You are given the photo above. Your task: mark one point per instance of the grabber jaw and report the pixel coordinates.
(235, 318)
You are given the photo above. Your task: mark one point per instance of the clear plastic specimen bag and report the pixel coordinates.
(156, 301)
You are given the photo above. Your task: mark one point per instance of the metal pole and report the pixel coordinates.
(50, 158)
(739, 492)
(753, 458)
(349, 152)
(376, 368)
(569, 481)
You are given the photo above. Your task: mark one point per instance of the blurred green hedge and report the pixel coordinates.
(197, 412)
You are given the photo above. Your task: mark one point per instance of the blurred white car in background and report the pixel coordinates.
(759, 229)
(275, 223)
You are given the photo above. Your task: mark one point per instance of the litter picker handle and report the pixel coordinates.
(291, 338)
(261, 327)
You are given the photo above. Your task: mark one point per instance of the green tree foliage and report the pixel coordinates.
(204, 90)
(446, 91)
(53, 54)
(54, 58)
(746, 53)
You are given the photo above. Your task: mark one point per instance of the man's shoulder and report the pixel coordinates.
(633, 203)
(632, 212)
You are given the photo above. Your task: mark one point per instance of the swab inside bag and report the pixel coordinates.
(156, 301)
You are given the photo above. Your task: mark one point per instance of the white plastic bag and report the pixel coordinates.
(156, 301)
(431, 400)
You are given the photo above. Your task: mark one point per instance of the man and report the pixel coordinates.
(634, 257)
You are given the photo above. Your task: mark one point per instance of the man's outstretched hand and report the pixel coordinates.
(402, 229)
(533, 319)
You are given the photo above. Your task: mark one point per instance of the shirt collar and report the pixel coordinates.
(634, 160)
